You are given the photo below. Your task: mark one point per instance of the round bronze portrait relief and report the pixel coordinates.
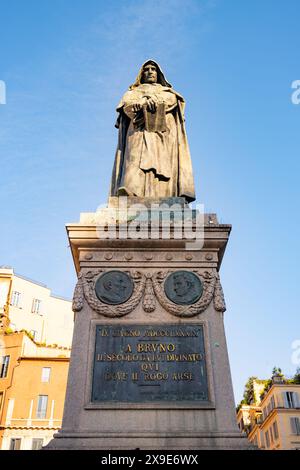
(114, 287)
(183, 287)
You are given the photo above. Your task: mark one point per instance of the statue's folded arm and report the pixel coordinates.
(169, 100)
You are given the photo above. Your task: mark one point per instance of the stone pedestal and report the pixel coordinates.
(181, 397)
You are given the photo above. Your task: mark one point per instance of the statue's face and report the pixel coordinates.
(150, 74)
(116, 286)
(181, 286)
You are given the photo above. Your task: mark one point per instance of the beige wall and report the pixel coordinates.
(53, 324)
(5, 280)
(59, 322)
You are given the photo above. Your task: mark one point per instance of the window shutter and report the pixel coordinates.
(267, 438)
(296, 400)
(275, 429)
(18, 444)
(284, 398)
(293, 425)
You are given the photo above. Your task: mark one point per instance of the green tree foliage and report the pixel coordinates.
(277, 371)
(248, 396)
(296, 378)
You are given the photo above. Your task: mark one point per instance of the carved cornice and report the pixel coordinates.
(85, 236)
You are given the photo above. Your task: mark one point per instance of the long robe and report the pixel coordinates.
(152, 164)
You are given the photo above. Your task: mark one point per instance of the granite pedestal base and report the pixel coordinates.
(187, 402)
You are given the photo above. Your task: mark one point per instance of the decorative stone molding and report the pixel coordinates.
(219, 300)
(78, 296)
(149, 286)
(208, 281)
(149, 302)
(86, 288)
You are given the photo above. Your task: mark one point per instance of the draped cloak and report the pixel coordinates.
(152, 164)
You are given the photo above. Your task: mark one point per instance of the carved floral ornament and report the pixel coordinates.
(148, 287)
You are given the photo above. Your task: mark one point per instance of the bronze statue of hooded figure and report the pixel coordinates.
(152, 157)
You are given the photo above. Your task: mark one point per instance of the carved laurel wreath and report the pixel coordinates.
(151, 287)
(86, 288)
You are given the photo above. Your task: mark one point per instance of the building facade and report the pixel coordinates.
(29, 305)
(274, 422)
(35, 340)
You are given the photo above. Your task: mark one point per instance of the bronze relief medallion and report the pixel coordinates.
(114, 287)
(183, 287)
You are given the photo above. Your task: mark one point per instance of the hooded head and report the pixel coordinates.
(160, 76)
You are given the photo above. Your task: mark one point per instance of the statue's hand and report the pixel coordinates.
(150, 101)
(136, 107)
(151, 104)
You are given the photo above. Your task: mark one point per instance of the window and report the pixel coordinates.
(37, 444)
(15, 444)
(267, 439)
(259, 418)
(46, 374)
(15, 298)
(272, 401)
(42, 406)
(264, 412)
(290, 400)
(271, 434)
(295, 425)
(4, 362)
(275, 429)
(36, 306)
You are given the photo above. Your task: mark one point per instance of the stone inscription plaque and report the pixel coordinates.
(149, 363)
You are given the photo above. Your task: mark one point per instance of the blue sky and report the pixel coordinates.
(66, 64)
